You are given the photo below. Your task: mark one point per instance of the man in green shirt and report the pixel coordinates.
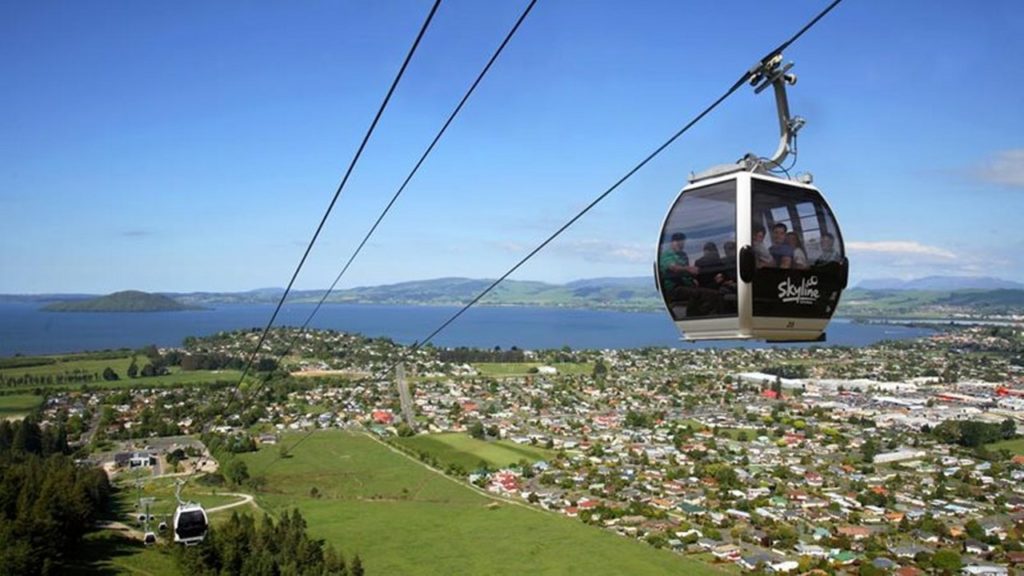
(675, 265)
(679, 280)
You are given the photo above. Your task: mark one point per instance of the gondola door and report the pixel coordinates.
(799, 265)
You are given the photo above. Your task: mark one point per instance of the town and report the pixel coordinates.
(902, 457)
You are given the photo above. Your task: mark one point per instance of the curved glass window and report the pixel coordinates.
(794, 217)
(798, 251)
(697, 253)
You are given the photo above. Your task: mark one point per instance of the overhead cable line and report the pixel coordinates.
(743, 79)
(419, 163)
(405, 183)
(337, 193)
(334, 200)
(732, 89)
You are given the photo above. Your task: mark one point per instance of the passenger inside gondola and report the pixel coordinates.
(709, 266)
(726, 279)
(799, 256)
(829, 254)
(762, 257)
(782, 253)
(679, 282)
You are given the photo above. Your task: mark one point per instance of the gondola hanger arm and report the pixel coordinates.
(772, 72)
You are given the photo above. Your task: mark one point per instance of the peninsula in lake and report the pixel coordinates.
(127, 301)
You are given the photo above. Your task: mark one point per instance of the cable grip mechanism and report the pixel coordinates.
(772, 72)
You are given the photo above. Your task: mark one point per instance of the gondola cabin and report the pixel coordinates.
(746, 255)
(190, 524)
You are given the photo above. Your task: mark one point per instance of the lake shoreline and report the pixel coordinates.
(27, 330)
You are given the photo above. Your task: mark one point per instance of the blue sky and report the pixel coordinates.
(195, 145)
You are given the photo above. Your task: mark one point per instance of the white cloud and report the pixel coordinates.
(513, 247)
(908, 259)
(1006, 168)
(898, 248)
(604, 251)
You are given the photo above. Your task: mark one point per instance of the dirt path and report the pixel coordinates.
(121, 527)
(245, 499)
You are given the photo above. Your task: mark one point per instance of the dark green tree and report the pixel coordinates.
(869, 450)
(236, 472)
(1008, 429)
(947, 561)
(974, 530)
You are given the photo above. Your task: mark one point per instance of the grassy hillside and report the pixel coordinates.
(112, 552)
(929, 303)
(58, 372)
(505, 369)
(18, 405)
(468, 452)
(402, 518)
(1015, 446)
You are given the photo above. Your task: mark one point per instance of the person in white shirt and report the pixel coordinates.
(799, 256)
(762, 257)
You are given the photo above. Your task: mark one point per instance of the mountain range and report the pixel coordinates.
(945, 283)
(636, 293)
(871, 298)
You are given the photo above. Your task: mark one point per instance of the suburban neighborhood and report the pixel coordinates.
(898, 458)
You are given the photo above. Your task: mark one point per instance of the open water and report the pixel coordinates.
(25, 329)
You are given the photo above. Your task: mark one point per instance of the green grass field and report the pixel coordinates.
(107, 552)
(402, 518)
(734, 433)
(1015, 446)
(468, 452)
(523, 368)
(164, 503)
(78, 362)
(92, 365)
(18, 405)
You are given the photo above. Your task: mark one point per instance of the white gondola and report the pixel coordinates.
(190, 524)
(746, 284)
(190, 521)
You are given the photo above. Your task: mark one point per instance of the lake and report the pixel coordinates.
(25, 329)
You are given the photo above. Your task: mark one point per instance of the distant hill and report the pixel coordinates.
(127, 301)
(929, 303)
(605, 293)
(943, 283)
(987, 300)
(625, 294)
(608, 293)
